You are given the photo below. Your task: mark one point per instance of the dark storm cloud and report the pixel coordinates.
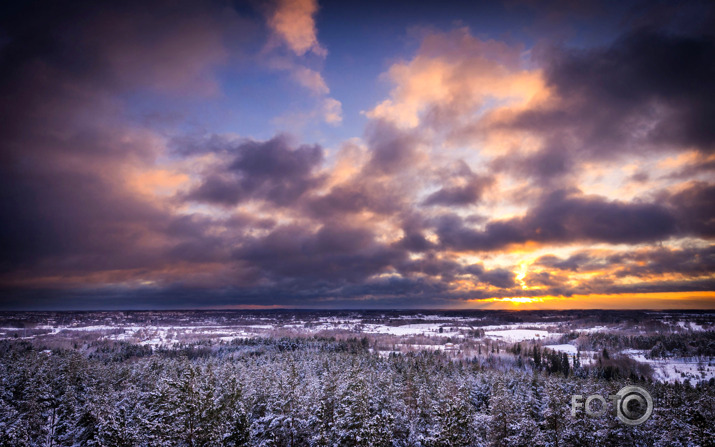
(332, 254)
(269, 170)
(388, 292)
(415, 241)
(202, 143)
(193, 239)
(392, 150)
(695, 207)
(561, 218)
(578, 262)
(72, 218)
(66, 207)
(468, 192)
(547, 165)
(383, 185)
(406, 291)
(691, 267)
(362, 194)
(700, 285)
(689, 262)
(454, 234)
(456, 195)
(651, 90)
(648, 87)
(499, 277)
(432, 265)
(166, 46)
(551, 280)
(65, 144)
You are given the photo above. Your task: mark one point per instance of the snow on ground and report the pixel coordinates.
(516, 326)
(677, 368)
(517, 335)
(691, 326)
(418, 347)
(324, 326)
(593, 329)
(438, 317)
(156, 335)
(568, 349)
(586, 357)
(430, 329)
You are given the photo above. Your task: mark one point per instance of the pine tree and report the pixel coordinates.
(353, 412)
(565, 364)
(537, 356)
(555, 409)
(236, 430)
(501, 411)
(454, 418)
(325, 415)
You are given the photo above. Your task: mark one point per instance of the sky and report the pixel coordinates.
(520, 154)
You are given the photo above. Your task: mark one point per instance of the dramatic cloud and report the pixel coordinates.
(501, 278)
(561, 218)
(646, 93)
(452, 77)
(176, 154)
(646, 88)
(465, 188)
(331, 256)
(695, 206)
(268, 170)
(81, 190)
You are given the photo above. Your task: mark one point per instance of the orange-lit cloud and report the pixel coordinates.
(311, 79)
(293, 23)
(456, 76)
(158, 182)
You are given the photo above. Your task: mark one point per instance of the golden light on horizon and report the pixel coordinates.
(658, 300)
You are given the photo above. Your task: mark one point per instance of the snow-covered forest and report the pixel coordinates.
(340, 390)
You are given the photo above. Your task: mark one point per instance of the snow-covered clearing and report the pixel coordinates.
(676, 369)
(517, 335)
(691, 326)
(568, 349)
(428, 329)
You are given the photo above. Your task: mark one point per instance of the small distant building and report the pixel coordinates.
(450, 347)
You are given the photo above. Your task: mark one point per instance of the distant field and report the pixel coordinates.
(460, 335)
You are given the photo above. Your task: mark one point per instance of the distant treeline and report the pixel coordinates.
(688, 344)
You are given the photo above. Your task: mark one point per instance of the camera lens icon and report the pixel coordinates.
(635, 405)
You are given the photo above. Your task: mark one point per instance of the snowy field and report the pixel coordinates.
(568, 349)
(167, 335)
(460, 336)
(517, 335)
(676, 369)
